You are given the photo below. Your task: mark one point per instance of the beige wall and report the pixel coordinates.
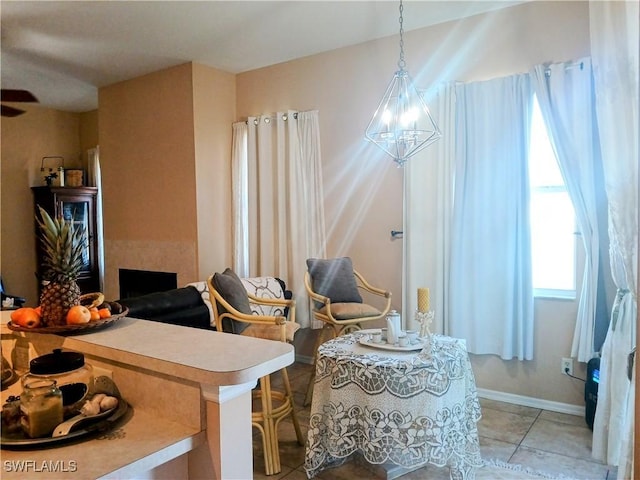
(214, 101)
(363, 188)
(88, 131)
(88, 136)
(165, 143)
(148, 173)
(25, 140)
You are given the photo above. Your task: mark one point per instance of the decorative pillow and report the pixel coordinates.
(230, 287)
(334, 278)
(265, 287)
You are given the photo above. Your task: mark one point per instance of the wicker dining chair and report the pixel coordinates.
(334, 289)
(232, 314)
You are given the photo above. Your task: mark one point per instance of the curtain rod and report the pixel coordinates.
(267, 119)
(567, 66)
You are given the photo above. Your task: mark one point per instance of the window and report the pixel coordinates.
(553, 225)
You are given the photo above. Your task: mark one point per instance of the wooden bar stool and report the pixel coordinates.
(232, 314)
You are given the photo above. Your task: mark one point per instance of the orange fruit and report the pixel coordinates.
(26, 317)
(38, 310)
(104, 312)
(78, 315)
(95, 315)
(16, 315)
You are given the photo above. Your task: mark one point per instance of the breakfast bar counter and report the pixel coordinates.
(142, 443)
(190, 397)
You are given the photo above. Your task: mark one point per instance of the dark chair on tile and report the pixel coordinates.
(233, 314)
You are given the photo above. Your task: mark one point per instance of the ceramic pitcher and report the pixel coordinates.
(393, 326)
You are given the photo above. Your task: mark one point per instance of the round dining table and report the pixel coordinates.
(408, 406)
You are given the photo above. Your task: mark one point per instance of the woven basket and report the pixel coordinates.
(74, 178)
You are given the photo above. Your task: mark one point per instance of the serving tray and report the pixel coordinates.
(72, 329)
(418, 345)
(20, 441)
(105, 385)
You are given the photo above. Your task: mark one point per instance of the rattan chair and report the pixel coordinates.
(341, 317)
(273, 405)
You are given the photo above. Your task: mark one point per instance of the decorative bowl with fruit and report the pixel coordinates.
(62, 308)
(91, 313)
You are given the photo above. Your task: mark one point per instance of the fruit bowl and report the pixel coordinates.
(72, 329)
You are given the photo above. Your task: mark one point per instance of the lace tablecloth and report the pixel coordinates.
(405, 408)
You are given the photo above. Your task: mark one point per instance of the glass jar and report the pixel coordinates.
(72, 375)
(41, 407)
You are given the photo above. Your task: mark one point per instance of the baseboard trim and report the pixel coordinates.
(532, 402)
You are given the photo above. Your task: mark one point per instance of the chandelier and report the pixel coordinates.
(402, 124)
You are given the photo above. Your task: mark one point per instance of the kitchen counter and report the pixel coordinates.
(139, 444)
(190, 392)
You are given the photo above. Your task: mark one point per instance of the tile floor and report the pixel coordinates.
(554, 443)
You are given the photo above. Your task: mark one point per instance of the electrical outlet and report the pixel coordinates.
(567, 366)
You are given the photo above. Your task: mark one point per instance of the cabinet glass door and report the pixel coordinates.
(78, 212)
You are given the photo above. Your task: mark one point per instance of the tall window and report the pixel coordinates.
(553, 225)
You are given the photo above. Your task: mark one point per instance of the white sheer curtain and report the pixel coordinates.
(491, 301)
(565, 95)
(239, 191)
(278, 199)
(94, 179)
(428, 202)
(614, 32)
(310, 188)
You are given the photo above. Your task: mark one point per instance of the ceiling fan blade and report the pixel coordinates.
(7, 111)
(10, 95)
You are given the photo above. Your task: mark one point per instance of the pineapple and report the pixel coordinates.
(62, 244)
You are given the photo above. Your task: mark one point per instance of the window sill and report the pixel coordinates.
(566, 295)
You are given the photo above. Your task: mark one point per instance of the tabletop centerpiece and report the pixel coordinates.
(62, 245)
(63, 308)
(424, 316)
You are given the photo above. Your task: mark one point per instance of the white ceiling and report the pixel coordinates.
(63, 51)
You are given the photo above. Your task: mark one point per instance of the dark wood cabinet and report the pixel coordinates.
(78, 204)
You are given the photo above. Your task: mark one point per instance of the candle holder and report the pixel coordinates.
(425, 319)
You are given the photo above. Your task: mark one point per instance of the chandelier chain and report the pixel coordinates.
(401, 62)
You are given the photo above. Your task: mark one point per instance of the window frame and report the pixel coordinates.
(555, 293)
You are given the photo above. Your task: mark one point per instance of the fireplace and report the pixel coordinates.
(134, 283)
